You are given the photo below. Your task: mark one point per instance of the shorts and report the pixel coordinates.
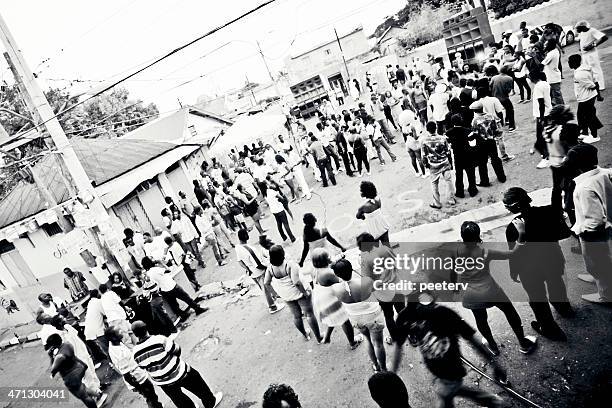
(374, 322)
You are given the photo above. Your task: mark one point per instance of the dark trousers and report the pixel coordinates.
(84, 394)
(563, 183)
(524, 88)
(347, 163)
(96, 351)
(537, 283)
(333, 155)
(587, 117)
(146, 389)
(161, 322)
(417, 161)
(441, 127)
(282, 223)
(512, 317)
(361, 155)
(193, 382)
(179, 293)
(394, 332)
(507, 104)
(540, 144)
(488, 150)
(190, 273)
(326, 170)
(461, 166)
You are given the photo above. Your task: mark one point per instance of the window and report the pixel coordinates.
(52, 229)
(6, 246)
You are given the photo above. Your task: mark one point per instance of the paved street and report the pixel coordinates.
(240, 349)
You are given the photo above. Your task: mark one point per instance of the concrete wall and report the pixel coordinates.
(308, 65)
(562, 12)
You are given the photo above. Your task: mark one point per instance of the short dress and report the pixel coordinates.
(482, 290)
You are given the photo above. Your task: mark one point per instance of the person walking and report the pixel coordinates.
(177, 258)
(412, 130)
(326, 305)
(542, 264)
(255, 262)
(483, 292)
(438, 103)
(364, 312)
(94, 324)
(161, 358)
(436, 153)
(207, 232)
(72, 370)
(114, 312)
(437, 330)
(170, 290)
(593, 200)
(184, 232)
(358, 141)
(520, 76)
(502, 85)
(375, 134)
(276, 202)
(134, 376)
(284, 277)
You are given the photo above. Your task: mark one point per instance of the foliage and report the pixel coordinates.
(425, 26)
(111, 114)
(503, 8)
(412, 8)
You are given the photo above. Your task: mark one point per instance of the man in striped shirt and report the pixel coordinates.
(161, 358)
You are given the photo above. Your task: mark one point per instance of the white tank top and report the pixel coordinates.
(376, 222)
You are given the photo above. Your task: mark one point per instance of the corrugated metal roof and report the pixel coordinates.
(102, 160)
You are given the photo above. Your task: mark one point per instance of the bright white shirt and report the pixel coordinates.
(588, 37)
(273, 200)
(204, 225)
(246, 181)
(184, 228)
(593, 200)
(164, 280)
(217, 174)
(373, 131)
(541, 90)
(155, 248)
(100, 274)
(551, 67)
(175, 254)
(123, 360)
(408, 120)
(111, 306)
(94, 319)
(492, 106)
(584, 84)
(242, 254)
(439, 103)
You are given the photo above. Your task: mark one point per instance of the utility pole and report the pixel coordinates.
(250, 89)
(348, 75)
(268, 69)
(43, 114)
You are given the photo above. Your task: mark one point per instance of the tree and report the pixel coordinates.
(111, 114)
(412, 8)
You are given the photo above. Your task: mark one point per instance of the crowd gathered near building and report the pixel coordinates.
(452, 121)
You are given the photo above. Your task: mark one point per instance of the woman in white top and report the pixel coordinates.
(363, 310)
(284, 277)
(371, 211)
(326, 305)
(520, 76)
(285, 173)
(276, 202)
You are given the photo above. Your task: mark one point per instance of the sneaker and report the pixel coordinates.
(223, 262)
(436, 206)
(493, 349)
(591, 139)
(451, 201)
(276, 308)
(531, 151)
(101, 400)
(593, 298)
(218, 398)
(508, 157)
(529, 345)
(369, 173)
(418, 174)
(544, 163)
(98, 365)
(554, 334)
(511, 130)
(201, 310)
(357, 342)
(360, 175)
(585, 277)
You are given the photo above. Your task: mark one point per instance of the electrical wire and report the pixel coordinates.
(158, 60)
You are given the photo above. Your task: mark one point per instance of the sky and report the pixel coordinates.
(99, 41)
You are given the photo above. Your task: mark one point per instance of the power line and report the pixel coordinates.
(158, 60)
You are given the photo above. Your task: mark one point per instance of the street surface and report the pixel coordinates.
(240, 349)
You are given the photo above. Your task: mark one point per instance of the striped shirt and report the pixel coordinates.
(159, 356)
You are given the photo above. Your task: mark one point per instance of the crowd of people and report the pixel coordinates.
(450, 121)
